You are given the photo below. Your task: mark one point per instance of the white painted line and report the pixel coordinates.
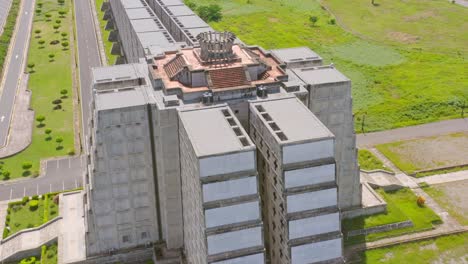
(76, 184)
(37, 189)
(57, 163)
(16, 57)
(50, 185)
(11, 193)
(63, 186)
(2, 118)
(24, 192)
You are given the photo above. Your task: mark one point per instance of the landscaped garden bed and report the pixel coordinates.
(401, 206)
(30, 212)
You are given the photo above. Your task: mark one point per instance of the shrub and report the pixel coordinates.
(26, 165)
(210, 13)
(35, 174)
(332, 21)
(48, 131)
(25, 200)
(57, 101)
(421, 201)
(33, 205)
(35, 197)
(313, 20)
(71, 152)
(6, 175)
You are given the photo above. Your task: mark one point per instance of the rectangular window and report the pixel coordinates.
(126, 238)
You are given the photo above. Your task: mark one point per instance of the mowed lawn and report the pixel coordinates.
(398, 80)
(447, 249)
(48, 78)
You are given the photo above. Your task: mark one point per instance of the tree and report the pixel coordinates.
(37, 31)
(40, 119)
(210, 13)
(64, 93)
(462, 105)
(41, 42)
(59, 141)
(26, 165)
(39, 4)
(56, 27)
(48, 131)
(313, 20)
(191, 5)
(61, 2)
(6, 175)
(38, 11)
(65, 44)
(62, 13)
(48, 16)
(64, 34)
(31, 67)
(58, 21)
(51, 57)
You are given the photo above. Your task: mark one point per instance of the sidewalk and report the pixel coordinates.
(21, 125)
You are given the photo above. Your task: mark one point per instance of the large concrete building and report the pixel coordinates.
(205, 150)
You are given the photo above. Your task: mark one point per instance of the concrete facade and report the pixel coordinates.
(215, 151)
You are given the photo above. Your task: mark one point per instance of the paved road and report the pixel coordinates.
(88, 54)
(61, 174)
(406, 133)
(14, 70)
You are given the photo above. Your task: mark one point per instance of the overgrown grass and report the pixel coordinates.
(443, 200)
(21, 215)
(8, 30)
(105, 33)
(443, 171)
(447, 249)
(368, 161)
(401, 206)
(394, 84)
(46, 81)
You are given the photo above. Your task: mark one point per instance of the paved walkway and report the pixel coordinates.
(444, 178)
(71, 241)
(22, 122)
(412, 132)
(462, 2)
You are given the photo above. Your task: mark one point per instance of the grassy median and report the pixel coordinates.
(50, 66)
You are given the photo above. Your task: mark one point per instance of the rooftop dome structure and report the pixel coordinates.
(216, 46)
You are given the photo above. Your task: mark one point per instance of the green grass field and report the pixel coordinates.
(401, 206)
(395, 83)
(447, 249)
(105, 33)
(46, 81)
(21, 216)
(368, 161)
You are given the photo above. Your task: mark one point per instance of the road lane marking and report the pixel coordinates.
(2, 118)
(11, 193)
(50, 185)
(37, 189)
(76, 184)
(63, 186)
(24, 193)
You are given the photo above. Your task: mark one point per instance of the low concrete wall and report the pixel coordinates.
(28, 242)
(137, 256)
(369, 210)
(379, 229)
